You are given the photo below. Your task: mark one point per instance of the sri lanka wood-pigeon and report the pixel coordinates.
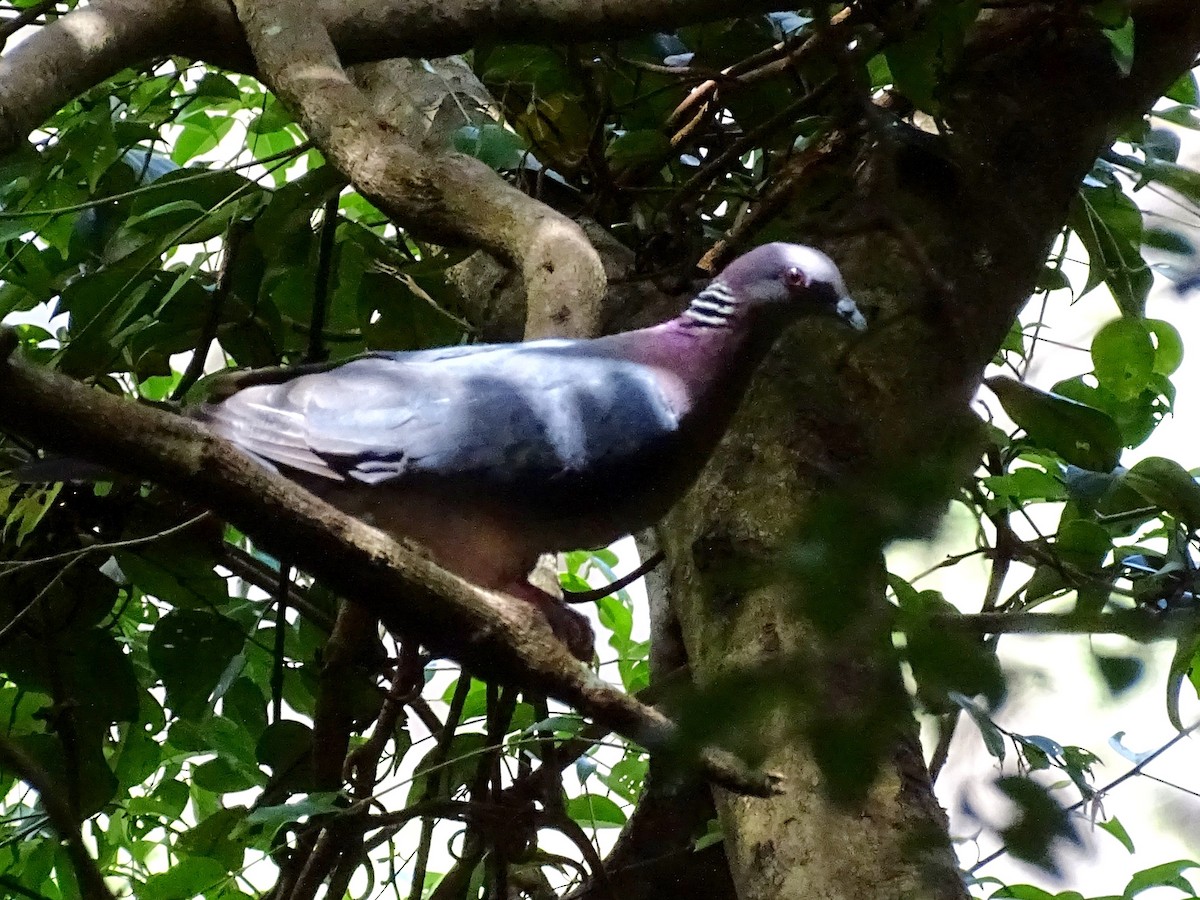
(489, 455)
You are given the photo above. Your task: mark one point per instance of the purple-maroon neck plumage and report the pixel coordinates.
(707, 355)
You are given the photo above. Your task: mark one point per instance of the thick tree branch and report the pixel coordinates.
(447, 196)
(76, 52)
(91, 43)
(1035, 99)
(300, 48)
(492, 634)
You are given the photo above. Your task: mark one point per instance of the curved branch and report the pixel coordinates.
(300, 47)
(447, 196)
(75, 52)
(58, 811)
(492, 634)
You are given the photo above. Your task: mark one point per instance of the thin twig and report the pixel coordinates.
(1136, 769)
(10, 568)
(433, 780)
(281, 598)
(620, 584)
(322, 284)
(27, 16)
(236, 233)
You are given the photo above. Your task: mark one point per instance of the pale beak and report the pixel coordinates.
(849, 312)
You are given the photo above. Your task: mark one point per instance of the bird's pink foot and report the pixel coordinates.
(570, 627)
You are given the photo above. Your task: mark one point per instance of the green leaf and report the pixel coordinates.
(1082, 543)
(1026, 484)
(993, 739)
(878, 72)
(1184, 90)
(93, 147)
(190, 650)
(1136, 418)
(436, 778)
(1123, 355)
(1110, 13)
(1168, 240)
(273, 118)
(138, 757)
(213, 838)
(638, 148)
(1178, 178)
(494, 146)
(176, 571)
(1168, 346)
(1168, 485)
(627, 776)
(1183, 663)
(1080, 434)
(1039, 751)
(712, 835)
(1183, 116)
(1052, 279)
(923, 58)
(201, 189)
(1114, 827)
(596, 811)
(1165, 875)
(1022, 892)
(29, 511)
(1110, 226)
(1039, 822)
(1122, 43)
(617, 617)
(534, 65)
(1120, 673)
(193, 140)
(213, 84)
(271, 818)
(283, 745)
(190, 876)
(245, 705)
(218, 776)
(1160, 144)
(86, 764)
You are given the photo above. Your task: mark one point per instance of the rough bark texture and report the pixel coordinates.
(956, 231)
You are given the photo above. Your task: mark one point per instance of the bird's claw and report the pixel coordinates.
(569, 626)
(572, 628)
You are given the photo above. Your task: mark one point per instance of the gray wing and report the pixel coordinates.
(501, 413)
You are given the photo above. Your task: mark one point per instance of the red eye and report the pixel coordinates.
(795, 277)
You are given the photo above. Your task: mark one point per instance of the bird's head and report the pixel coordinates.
(783, 278)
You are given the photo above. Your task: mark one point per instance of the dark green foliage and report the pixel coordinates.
(188, 720)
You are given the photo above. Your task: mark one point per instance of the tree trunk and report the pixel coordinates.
(942, 238)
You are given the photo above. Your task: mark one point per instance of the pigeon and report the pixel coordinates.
(490, 455)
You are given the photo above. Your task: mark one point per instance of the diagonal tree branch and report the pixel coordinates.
(492, 634)
(61, 816)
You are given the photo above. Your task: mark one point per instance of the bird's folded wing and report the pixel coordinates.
(498, 413)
